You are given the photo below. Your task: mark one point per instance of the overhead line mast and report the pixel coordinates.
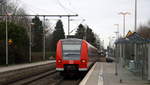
(47, 15)
(43, 31)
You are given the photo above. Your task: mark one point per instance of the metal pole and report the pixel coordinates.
(135, 46)
(68, 25)
(30, 43)
(47, 15)
(85, 33)
(116, 72)
(124, 14)
(124, 25)
(121, 64)
(135, 15)
(44, 39)
(135, 52)
(117, 33)
(6, 41)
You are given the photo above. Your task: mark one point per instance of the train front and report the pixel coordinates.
(71, 55)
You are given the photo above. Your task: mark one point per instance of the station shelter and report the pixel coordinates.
(132, 54)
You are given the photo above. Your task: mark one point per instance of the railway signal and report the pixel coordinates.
(10, 42)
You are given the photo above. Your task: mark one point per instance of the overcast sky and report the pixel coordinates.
(100, 15)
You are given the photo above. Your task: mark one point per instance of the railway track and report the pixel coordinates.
(50, 77)
(66, 81)
(33, 78)
(73, 80)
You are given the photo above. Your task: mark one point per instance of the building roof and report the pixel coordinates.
(132, 38)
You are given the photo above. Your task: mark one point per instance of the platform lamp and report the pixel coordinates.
(6, 15)
(30, 42)
(124, 18)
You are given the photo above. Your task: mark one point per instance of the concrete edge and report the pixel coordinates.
(25, 66)
(83, 82)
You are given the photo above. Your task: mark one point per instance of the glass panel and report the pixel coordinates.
(71, 47)
(131, 62)
(71, 52)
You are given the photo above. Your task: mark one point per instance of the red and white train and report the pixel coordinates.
(74, 55)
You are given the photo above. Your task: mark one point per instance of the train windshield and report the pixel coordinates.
(71, 51)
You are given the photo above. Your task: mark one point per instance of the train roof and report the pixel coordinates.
(71, 39)
(76, 40)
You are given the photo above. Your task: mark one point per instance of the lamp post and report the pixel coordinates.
(135, 15)
(68, 25)
(124, 15)
(116, 59)
(30, 42)
(135, 27)
(6, 41)
(7, 14)
(117, 32)
(44, 39)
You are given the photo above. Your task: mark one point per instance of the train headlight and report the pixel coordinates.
(83, 61)
(59, 61)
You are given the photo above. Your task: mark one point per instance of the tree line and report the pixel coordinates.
(83, 32)
(19, 34)
(144, 30)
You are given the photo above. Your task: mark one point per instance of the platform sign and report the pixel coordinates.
(10, 42)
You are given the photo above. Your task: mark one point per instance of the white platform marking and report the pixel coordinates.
(100, 77)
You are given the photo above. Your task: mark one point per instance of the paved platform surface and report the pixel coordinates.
(94, 76)
(104, 74)
(20, 66)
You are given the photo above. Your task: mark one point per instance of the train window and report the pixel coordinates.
(71, 47)
(71, 52)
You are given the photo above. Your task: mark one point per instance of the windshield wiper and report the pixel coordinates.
(66, 54)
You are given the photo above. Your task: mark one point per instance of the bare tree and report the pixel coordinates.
(12, 7)
(144, 31)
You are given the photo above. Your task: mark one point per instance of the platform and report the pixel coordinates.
(94, 76)
(21, 66)
(103, 73)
